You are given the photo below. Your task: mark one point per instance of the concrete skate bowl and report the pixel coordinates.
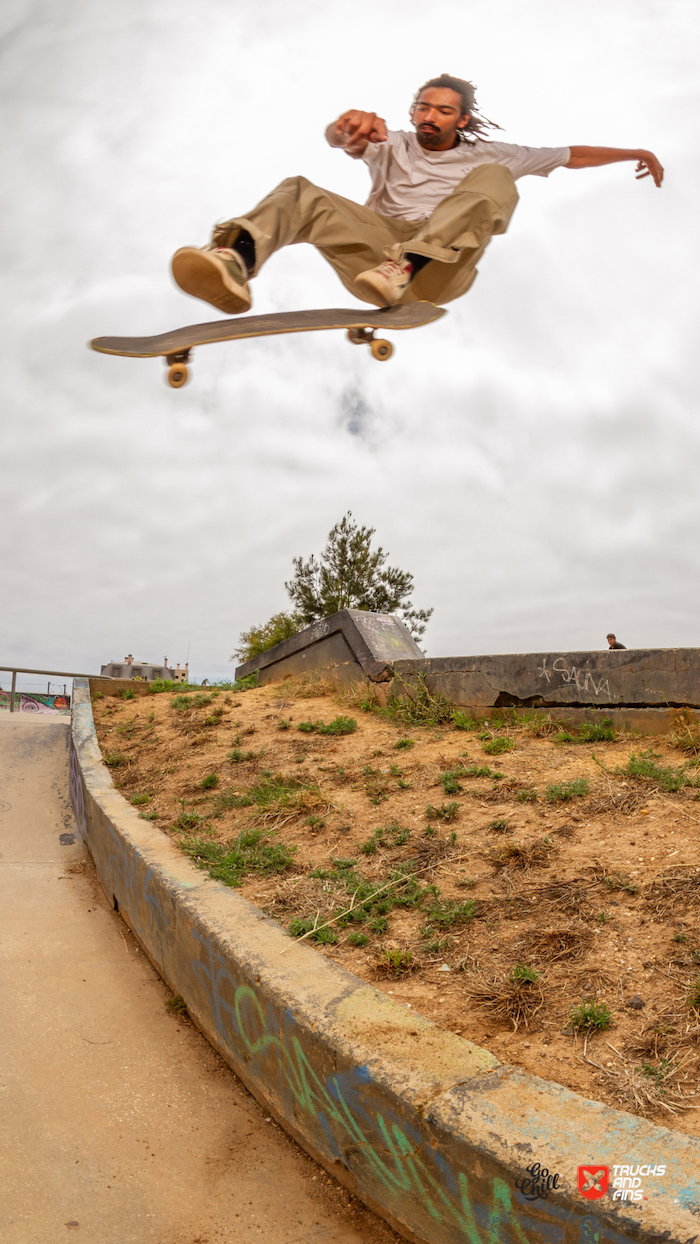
(430, 1131)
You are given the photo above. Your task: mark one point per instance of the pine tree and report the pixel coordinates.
(350, 574)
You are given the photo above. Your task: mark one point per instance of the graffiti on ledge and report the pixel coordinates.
(387, 1152)
(583, 680)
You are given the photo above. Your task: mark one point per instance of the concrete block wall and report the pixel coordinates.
(427, 1129)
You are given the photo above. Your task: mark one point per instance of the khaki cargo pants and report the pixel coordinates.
(354, 238)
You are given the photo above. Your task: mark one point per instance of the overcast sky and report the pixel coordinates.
(533, 459)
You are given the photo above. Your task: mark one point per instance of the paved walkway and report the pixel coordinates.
(118, 1122)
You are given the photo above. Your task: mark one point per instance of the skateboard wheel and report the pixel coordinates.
(381, 349)
(177, 375)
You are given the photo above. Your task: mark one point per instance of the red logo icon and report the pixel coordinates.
(593, 1181)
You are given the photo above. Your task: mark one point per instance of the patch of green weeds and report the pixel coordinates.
(177, 1004)
(694, 996)
(500, 826)
(478, 771)
(186, 703)
(659, 1073)
(237, 756)
(445, 811)
(138, 800)
(463, 721)
(114, 759)
(358, 939)
(339, 725)
(187, 821)
(604, 917)
(276, 792)
(148, 816)
(419, 706)
(302, 925)
(522, 972)
(602, 731)
(253, 851)
(284, 724)
(643, 766)
(210, 782)
(591, 1017)
(528, 795)
(387, 836)
(560, 792)
(315, 823)
(436, 945)
(466, 883)
(616, 881)
(127, 693)
(444, 913)
(496, 747)
(404, 744)
(395, 961)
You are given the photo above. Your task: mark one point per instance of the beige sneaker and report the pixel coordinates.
(388, 282)
(215, 274)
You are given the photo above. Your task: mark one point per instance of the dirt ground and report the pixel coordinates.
(497, 878)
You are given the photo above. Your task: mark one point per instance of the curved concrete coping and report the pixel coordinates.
(427, 1129)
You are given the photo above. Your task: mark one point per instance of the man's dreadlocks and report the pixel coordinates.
(477, 124)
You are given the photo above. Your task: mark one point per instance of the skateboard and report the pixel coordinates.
(360, 325)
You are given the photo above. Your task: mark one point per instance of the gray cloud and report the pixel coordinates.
(532, 459)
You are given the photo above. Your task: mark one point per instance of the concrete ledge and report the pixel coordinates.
(632, 678)
(347, 646)
(427, 1129)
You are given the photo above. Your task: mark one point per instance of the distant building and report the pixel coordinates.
(129, 668)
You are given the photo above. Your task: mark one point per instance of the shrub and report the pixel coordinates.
(237, 756)
(127, 693)
(137, 800)
(404, 743)
(395, 961)
(560, 792)
(210, 781)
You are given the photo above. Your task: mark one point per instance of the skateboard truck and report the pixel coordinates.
(177, 364)
(381, 349)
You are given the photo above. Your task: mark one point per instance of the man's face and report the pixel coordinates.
(611, 641)
(437, 115)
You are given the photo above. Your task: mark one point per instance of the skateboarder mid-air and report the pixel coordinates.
(438, 196)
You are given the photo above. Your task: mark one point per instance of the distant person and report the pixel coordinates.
(438, 196)
(612, 642)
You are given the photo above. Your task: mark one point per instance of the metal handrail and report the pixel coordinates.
(15, 670)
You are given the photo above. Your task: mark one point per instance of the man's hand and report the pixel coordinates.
(593, 157)
(649, 166)
(354, 130)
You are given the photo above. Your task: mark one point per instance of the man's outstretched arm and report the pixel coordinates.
(592, 157)
(354, 130)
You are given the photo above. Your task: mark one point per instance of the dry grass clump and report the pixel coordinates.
(523, 855)
(568, 832)
(568, 896)
(625, 801)
(564, 942)
(305, 687)
(686, 735)
(675, 890)
(647, 1089)
(513, 999)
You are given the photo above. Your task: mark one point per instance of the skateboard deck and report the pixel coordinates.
(360, 325)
